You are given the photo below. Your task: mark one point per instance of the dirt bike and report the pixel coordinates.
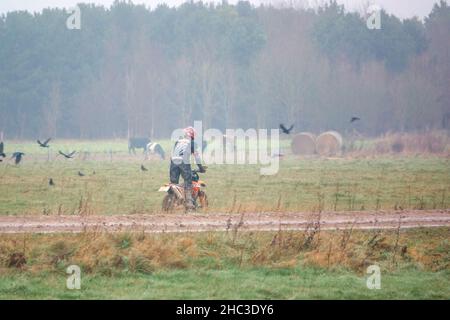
(174, 198)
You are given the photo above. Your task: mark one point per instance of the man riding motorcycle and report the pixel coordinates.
(180, 163)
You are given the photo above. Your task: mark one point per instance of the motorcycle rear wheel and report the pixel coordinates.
(168, 203)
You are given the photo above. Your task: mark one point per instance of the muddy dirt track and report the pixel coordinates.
(195, 222)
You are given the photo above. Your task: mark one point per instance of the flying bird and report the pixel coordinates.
(353, 119)
(17, 157)
(67, 156)
(143, 168)
(50, 182)
(45, 143)
(285, 130)
(81, 174)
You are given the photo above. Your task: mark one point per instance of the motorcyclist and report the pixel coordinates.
(180, 163)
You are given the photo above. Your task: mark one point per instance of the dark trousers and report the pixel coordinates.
(184, 170)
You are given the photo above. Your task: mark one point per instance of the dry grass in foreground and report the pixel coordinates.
(109, 254)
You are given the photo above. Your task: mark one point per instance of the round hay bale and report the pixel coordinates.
(304, 143)
(329, 143)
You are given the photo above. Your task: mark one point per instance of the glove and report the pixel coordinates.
(201, 168)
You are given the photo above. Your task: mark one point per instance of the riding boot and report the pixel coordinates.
(189, 202)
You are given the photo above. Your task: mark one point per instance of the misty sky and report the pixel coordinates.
(401, 8)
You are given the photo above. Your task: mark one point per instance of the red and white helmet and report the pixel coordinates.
(189, 132)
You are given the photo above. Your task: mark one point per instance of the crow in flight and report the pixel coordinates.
(285, 130)
(143, 168)
(68, 156)
(17, 157)
(45, 143)
(353, 119)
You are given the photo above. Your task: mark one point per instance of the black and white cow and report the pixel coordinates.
(155, 148)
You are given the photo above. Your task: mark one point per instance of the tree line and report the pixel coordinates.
(131, 70)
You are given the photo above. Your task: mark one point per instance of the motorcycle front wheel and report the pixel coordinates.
(203, 199)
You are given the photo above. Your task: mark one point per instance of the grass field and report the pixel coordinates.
(261, 283)
(120, 187)
(249, 265)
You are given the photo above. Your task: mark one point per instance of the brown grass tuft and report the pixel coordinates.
(17, 260)
(432, 142)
